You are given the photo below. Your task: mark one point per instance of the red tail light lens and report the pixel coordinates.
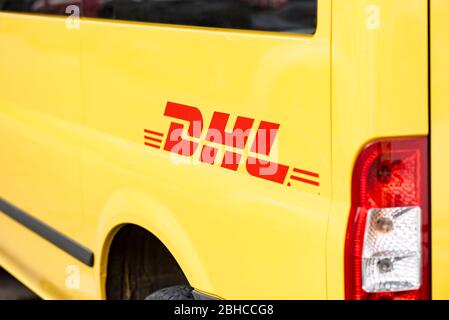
(387, 241)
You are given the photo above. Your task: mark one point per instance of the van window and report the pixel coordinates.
(298, 16)
(38, 6)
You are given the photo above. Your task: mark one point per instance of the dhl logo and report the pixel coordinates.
(185, 139)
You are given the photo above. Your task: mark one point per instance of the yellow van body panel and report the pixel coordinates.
(440, 148)
(74, 112)
(222, 226)
(40, 103)
(380, 87)
(219, 224)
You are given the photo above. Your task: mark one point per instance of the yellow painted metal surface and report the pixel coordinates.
(233, 234)
(440, 147)
(379, 89)
(72, 120)
(219, 224)
(40, 103)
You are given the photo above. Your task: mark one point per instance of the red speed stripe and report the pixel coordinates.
(152, 145)
(154, 133)
(153, 139)
(306, 181)
(307, 173)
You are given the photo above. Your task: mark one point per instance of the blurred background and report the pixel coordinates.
(12, 289)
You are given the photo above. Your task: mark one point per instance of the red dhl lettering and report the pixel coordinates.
(186, 141)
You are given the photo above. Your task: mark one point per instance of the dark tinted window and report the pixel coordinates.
(297, 16)
(38, 6)
(272, 15)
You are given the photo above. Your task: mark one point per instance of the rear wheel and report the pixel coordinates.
(172, 293)
(139, 264)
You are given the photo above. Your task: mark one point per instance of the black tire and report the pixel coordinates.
(172, 293)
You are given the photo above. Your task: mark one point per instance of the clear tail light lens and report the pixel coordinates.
(391, 258)
(387, 243)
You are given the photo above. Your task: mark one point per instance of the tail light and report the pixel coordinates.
(387, 241)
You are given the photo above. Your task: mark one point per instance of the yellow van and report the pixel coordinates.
(225, 149)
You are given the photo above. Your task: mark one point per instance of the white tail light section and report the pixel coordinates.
(391, 259)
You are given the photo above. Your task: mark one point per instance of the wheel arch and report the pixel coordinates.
(135, 209)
